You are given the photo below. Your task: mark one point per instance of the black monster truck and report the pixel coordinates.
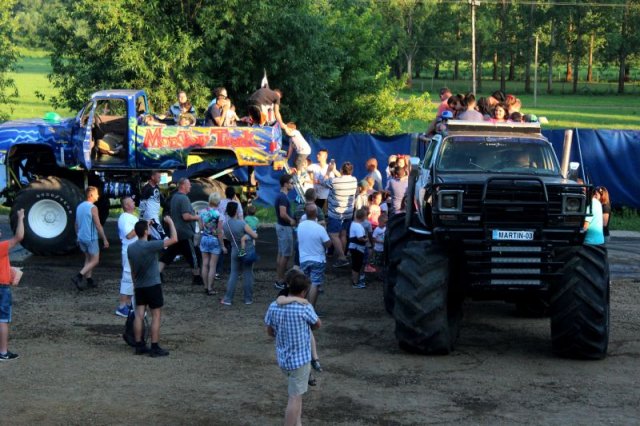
(490, 215)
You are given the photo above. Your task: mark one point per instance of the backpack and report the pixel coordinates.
(128, 334)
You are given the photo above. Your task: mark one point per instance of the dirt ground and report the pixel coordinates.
(76, 369)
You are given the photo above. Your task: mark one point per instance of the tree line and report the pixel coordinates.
(339, 63)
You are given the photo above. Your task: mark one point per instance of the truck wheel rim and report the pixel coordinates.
(47, 219)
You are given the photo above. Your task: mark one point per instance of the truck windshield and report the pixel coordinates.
(497, 155)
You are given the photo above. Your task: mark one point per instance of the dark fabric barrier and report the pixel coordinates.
(608, 157)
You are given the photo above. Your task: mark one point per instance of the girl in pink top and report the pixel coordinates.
(374, 208)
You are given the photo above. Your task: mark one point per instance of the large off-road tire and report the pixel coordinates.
(50, 212)
(201, 188)
(426, 312)
(395, 240)
(580, 304)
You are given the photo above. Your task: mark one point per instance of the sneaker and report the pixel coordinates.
(359, 285)
(223, 302)
(315, 364)
(250, 302)
(8, 356)
(123, 311)
(242, 253)
(157, 351)
(77, 281)
(278, 286)
(341, 263)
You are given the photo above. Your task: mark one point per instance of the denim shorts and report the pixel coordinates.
(315, 271)
(334, 226)
(90, 247)
(210, 244)
(285, 240)
(5, 303)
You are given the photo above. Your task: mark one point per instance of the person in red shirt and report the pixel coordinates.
(5, 288)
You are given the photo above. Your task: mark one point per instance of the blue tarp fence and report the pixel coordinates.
(610, 158)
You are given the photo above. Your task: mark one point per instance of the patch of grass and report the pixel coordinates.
(625, 219)
(34, 88)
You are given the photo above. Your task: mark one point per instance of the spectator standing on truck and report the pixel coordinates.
(88, 229)
(5, 288)
(291, 325)
(182, 106)
(184, 218)
(342, 197)
(471, 114)
(151, 202)
(143, 257)
(284, 229)
(267, 103)
(127, 233)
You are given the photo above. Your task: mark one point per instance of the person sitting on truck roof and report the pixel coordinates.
(216, 114)
(470, 114)
(455, 104)
(186, 120)
(499, 114)
(182, 106)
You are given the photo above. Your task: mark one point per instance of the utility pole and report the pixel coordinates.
(535, 76)
(474, 4)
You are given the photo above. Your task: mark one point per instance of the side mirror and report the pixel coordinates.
(574, 166)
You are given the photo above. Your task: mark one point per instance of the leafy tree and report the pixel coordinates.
(328, 57)
(8, 57)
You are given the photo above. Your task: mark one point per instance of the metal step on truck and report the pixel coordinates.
(492, 215)
(45, 164)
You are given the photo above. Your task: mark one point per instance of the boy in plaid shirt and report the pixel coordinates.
(291, 325)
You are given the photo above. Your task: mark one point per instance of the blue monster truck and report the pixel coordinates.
(46, 164)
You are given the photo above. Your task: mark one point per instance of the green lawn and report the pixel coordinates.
(34, 88)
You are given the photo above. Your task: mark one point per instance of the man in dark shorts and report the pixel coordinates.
(143, 258)
(184, 219)
(264, 107)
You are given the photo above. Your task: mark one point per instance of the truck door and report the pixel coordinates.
(82, 140)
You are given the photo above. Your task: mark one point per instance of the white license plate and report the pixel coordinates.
(512, 235)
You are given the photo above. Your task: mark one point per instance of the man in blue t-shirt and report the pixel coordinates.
(88, 229)
(291, 325)
(284, 229)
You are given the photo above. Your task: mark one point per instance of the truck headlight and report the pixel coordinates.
(573, 203)
(450, 200)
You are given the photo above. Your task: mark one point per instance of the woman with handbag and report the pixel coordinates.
(234, 229)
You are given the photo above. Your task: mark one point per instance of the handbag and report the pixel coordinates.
(251, 256)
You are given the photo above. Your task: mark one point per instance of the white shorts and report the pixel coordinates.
(126, 283)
